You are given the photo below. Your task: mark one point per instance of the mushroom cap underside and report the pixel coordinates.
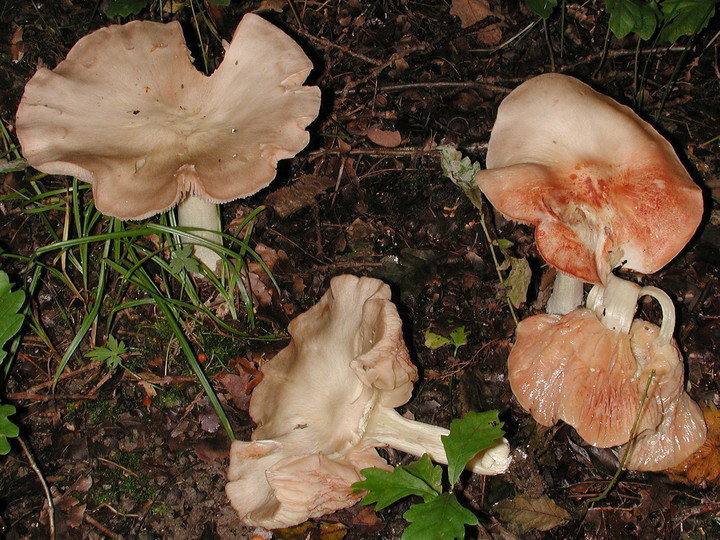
(603, 188)
(129, 113)
(574, 369)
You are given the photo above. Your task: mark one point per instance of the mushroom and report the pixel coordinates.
(127, 112)
(324, 404)
(602, 187)
(591, 368)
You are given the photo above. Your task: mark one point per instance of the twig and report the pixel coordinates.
(27, 396)
(136, 475)
(46, 489)
(100, 527)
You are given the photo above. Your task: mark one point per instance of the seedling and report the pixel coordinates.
(111, 354)
(440, 515)
(457, 339)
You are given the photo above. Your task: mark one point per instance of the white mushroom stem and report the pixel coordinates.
(567, 294)
(389, 428)
(615, 305)
(197, 213)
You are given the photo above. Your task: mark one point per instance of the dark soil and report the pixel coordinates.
(122, 466)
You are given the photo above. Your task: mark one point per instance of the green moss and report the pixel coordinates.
(169, 396)
(113, 483)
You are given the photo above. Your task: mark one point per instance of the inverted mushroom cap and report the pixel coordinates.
(346, 355)
(603, 188)
(127, 112)
(345, 351)
(325, 402)
(573, 368)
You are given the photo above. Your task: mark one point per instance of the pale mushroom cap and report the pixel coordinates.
(346, 357)
(345, 351)
(574, 369)
(682, 429)
(274, 484)
(128, 112)
(602, 186)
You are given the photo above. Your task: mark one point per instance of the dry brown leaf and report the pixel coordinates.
(381, 137)
(298, 195)
(703, 466)
(524, 514)
(470, 11)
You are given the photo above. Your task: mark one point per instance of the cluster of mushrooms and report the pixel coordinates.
(603, 188)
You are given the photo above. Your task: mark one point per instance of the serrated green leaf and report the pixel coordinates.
(111, 354)
(461, 170)
(425, 470)
(10, 317)
(637, 16)
(518, 281)
(544, 8)
(458, 338)
(685, 17)
(184, 259)
(476, 432)
(7, 428)
(435, 341)
(125, 8)
(524, 514)
(387, 487)
(442, 518)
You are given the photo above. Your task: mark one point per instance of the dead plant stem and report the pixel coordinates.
(46, 489)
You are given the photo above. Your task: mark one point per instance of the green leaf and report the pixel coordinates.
(220, 2)
(544, 8)
(111, 354)
(461, 170)
(685, 17)
(435, 341)
(518, 281)
(458, 338)
(424, 469)
(184, 259)
(7, 428)
(637, 16)
(10, 317)
(476, 432)
(125, 8)
(504, 243)
(384, 488)
(442, 518)
(524, 514)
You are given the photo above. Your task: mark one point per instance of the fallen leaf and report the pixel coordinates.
(381, 137)
(298, 195)
(470, 11)
(17, 45)
(524, 514)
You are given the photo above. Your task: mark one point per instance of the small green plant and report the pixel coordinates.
(440, 516)
(7, 428)
(11, 320)
(111, 354)
(457, 339)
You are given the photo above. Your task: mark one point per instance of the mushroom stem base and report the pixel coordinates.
(387, 427)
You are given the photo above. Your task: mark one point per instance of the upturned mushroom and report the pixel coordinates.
(127, 112)
(591, 368)
(325, 403)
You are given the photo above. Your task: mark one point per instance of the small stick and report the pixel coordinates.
(46, 489)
